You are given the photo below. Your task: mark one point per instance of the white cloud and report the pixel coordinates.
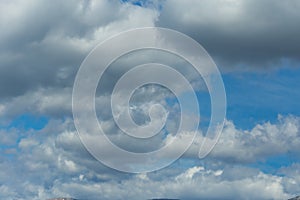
(68, 170)
(262, 141)
(249, 146)
(203, 185)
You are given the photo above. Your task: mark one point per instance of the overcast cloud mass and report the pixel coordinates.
(256, 47)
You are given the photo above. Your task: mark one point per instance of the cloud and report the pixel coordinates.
(43, 43)
(204, 185)
(69, 170)
(292, 178)
(257, 144)
(242, 34)
(41, 47)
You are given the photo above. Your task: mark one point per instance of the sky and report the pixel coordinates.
(255, 45)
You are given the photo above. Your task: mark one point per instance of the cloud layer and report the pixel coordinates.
(42, 45)
(243, 34)
(69, 170)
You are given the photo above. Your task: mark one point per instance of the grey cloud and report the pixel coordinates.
(241, 34)
(55, 102)
(292, 177)
(43, 43)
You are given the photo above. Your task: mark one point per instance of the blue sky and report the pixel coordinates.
(42, 45)
(259, 97)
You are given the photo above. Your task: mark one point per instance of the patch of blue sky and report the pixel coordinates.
(259, 97)
(29, 121)
(144, 3)
(24, 122)
(273, 164)
(186, 163)
(135, 2)
(171, 101)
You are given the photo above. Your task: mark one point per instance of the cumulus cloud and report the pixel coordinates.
(204, 184)
(69, 170)
(262, 141)
(257, 144)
